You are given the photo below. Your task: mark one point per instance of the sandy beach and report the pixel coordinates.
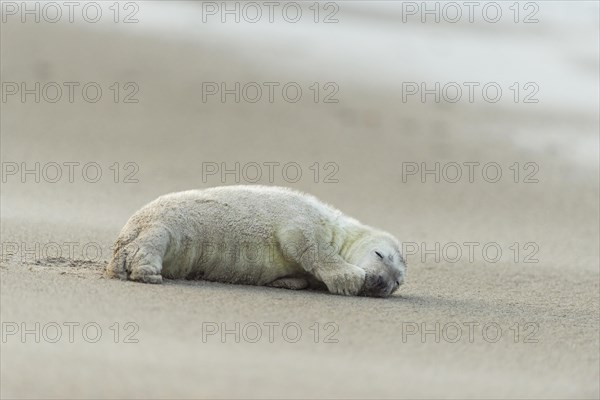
(502, 293)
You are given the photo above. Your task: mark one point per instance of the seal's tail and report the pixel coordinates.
(123, 252)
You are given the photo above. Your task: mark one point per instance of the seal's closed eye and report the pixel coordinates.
(379, 254)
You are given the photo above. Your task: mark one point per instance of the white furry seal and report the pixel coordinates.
(256, 235)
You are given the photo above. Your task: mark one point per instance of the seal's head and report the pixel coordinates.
(379, 255)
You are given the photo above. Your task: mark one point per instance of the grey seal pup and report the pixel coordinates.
(257, 235)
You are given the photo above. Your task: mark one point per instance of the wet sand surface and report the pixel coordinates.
(505, 329)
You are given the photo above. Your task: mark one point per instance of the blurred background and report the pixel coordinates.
(107, 105)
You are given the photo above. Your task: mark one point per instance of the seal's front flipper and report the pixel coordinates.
(290, 283)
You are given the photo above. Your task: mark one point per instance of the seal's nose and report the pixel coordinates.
(378, 286)
(400, 280)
